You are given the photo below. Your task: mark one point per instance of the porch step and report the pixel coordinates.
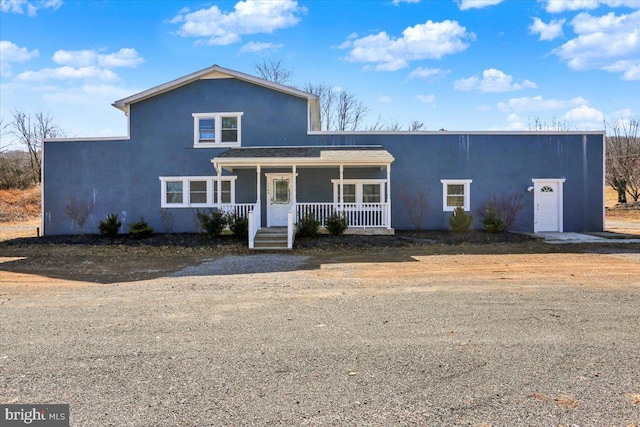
(274, 238)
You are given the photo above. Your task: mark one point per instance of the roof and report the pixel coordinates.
(318, 155)
(215, 71)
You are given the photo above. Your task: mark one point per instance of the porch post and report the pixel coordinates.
(341, 187)
(219, 184)
(258, 170)
(295, 185)
(389, 196)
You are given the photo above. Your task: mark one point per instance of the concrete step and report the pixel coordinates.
(271, 239)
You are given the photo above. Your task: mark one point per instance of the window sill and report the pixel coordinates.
(217, 145)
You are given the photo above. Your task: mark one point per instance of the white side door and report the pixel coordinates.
(548, 205)
(279, 193)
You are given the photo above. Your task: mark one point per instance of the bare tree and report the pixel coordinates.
(415, 202)
(416, 126)
(79, 210)
(327, 95)
(350, 111)
(274, 71)
(623, 159)
(30, 131)
(542, 125)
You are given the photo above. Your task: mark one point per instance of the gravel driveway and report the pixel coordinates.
(484, 340)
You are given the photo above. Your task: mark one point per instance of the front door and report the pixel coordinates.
(279, 199)
(548, 205)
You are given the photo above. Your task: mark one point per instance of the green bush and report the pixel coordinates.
(212, 222)
(493, 222)
(110, 226)
(337, 223)
(239, 225)
(140, 229)
(460, 220)
(308, 226)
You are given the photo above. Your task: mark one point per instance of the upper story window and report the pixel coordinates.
(216, 129)
(456, 193)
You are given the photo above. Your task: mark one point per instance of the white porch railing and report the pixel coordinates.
(359, 215)
(239, 209)
(255, 217)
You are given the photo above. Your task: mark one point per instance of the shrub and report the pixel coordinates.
(493, 222)
(212, 222)
(239, 225)
(110, 226)
(140, 229)
(460, 221)
(337, 223)
(506, 207)
(308, 226)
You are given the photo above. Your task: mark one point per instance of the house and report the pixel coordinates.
(222, 139)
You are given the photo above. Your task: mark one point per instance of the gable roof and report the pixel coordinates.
(216, 71)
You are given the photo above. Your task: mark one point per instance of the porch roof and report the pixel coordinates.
(354, 155)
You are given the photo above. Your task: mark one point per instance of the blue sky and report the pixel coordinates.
(453, 64)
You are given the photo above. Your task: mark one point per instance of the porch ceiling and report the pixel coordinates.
(303, 156)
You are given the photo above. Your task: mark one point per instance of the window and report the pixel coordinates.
(360, 190)
(216, 129)
(226, 191)
(456, 192)
(349, 193)
(173, 192)
(281, 191)
(370, 193)
(196, 191)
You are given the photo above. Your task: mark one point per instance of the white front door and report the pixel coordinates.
(548, 205)
(279, 199)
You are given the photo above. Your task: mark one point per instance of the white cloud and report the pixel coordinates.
(585, 117)
(125, 57)
(384, 99)
(549, 31)
(493, 80)
(610, 42)
(214, 26)
(484, 108)
(557, 6)
(68, 73)
(30, 7)
(431, 40)
(477, 4)
(427, 99)
(11, 53)
(397, 2)
(538, 103)
(428, 73)
(85, 64)
(255, 47)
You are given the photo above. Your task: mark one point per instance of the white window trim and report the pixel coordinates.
(218, 130)
(186, 191)
(359, 192)
(467, 193)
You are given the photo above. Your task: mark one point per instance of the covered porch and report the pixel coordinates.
(292, 183)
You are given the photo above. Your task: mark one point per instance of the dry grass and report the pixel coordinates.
(566, 402)
(538, 396)
(20, 205)
(633, 397)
